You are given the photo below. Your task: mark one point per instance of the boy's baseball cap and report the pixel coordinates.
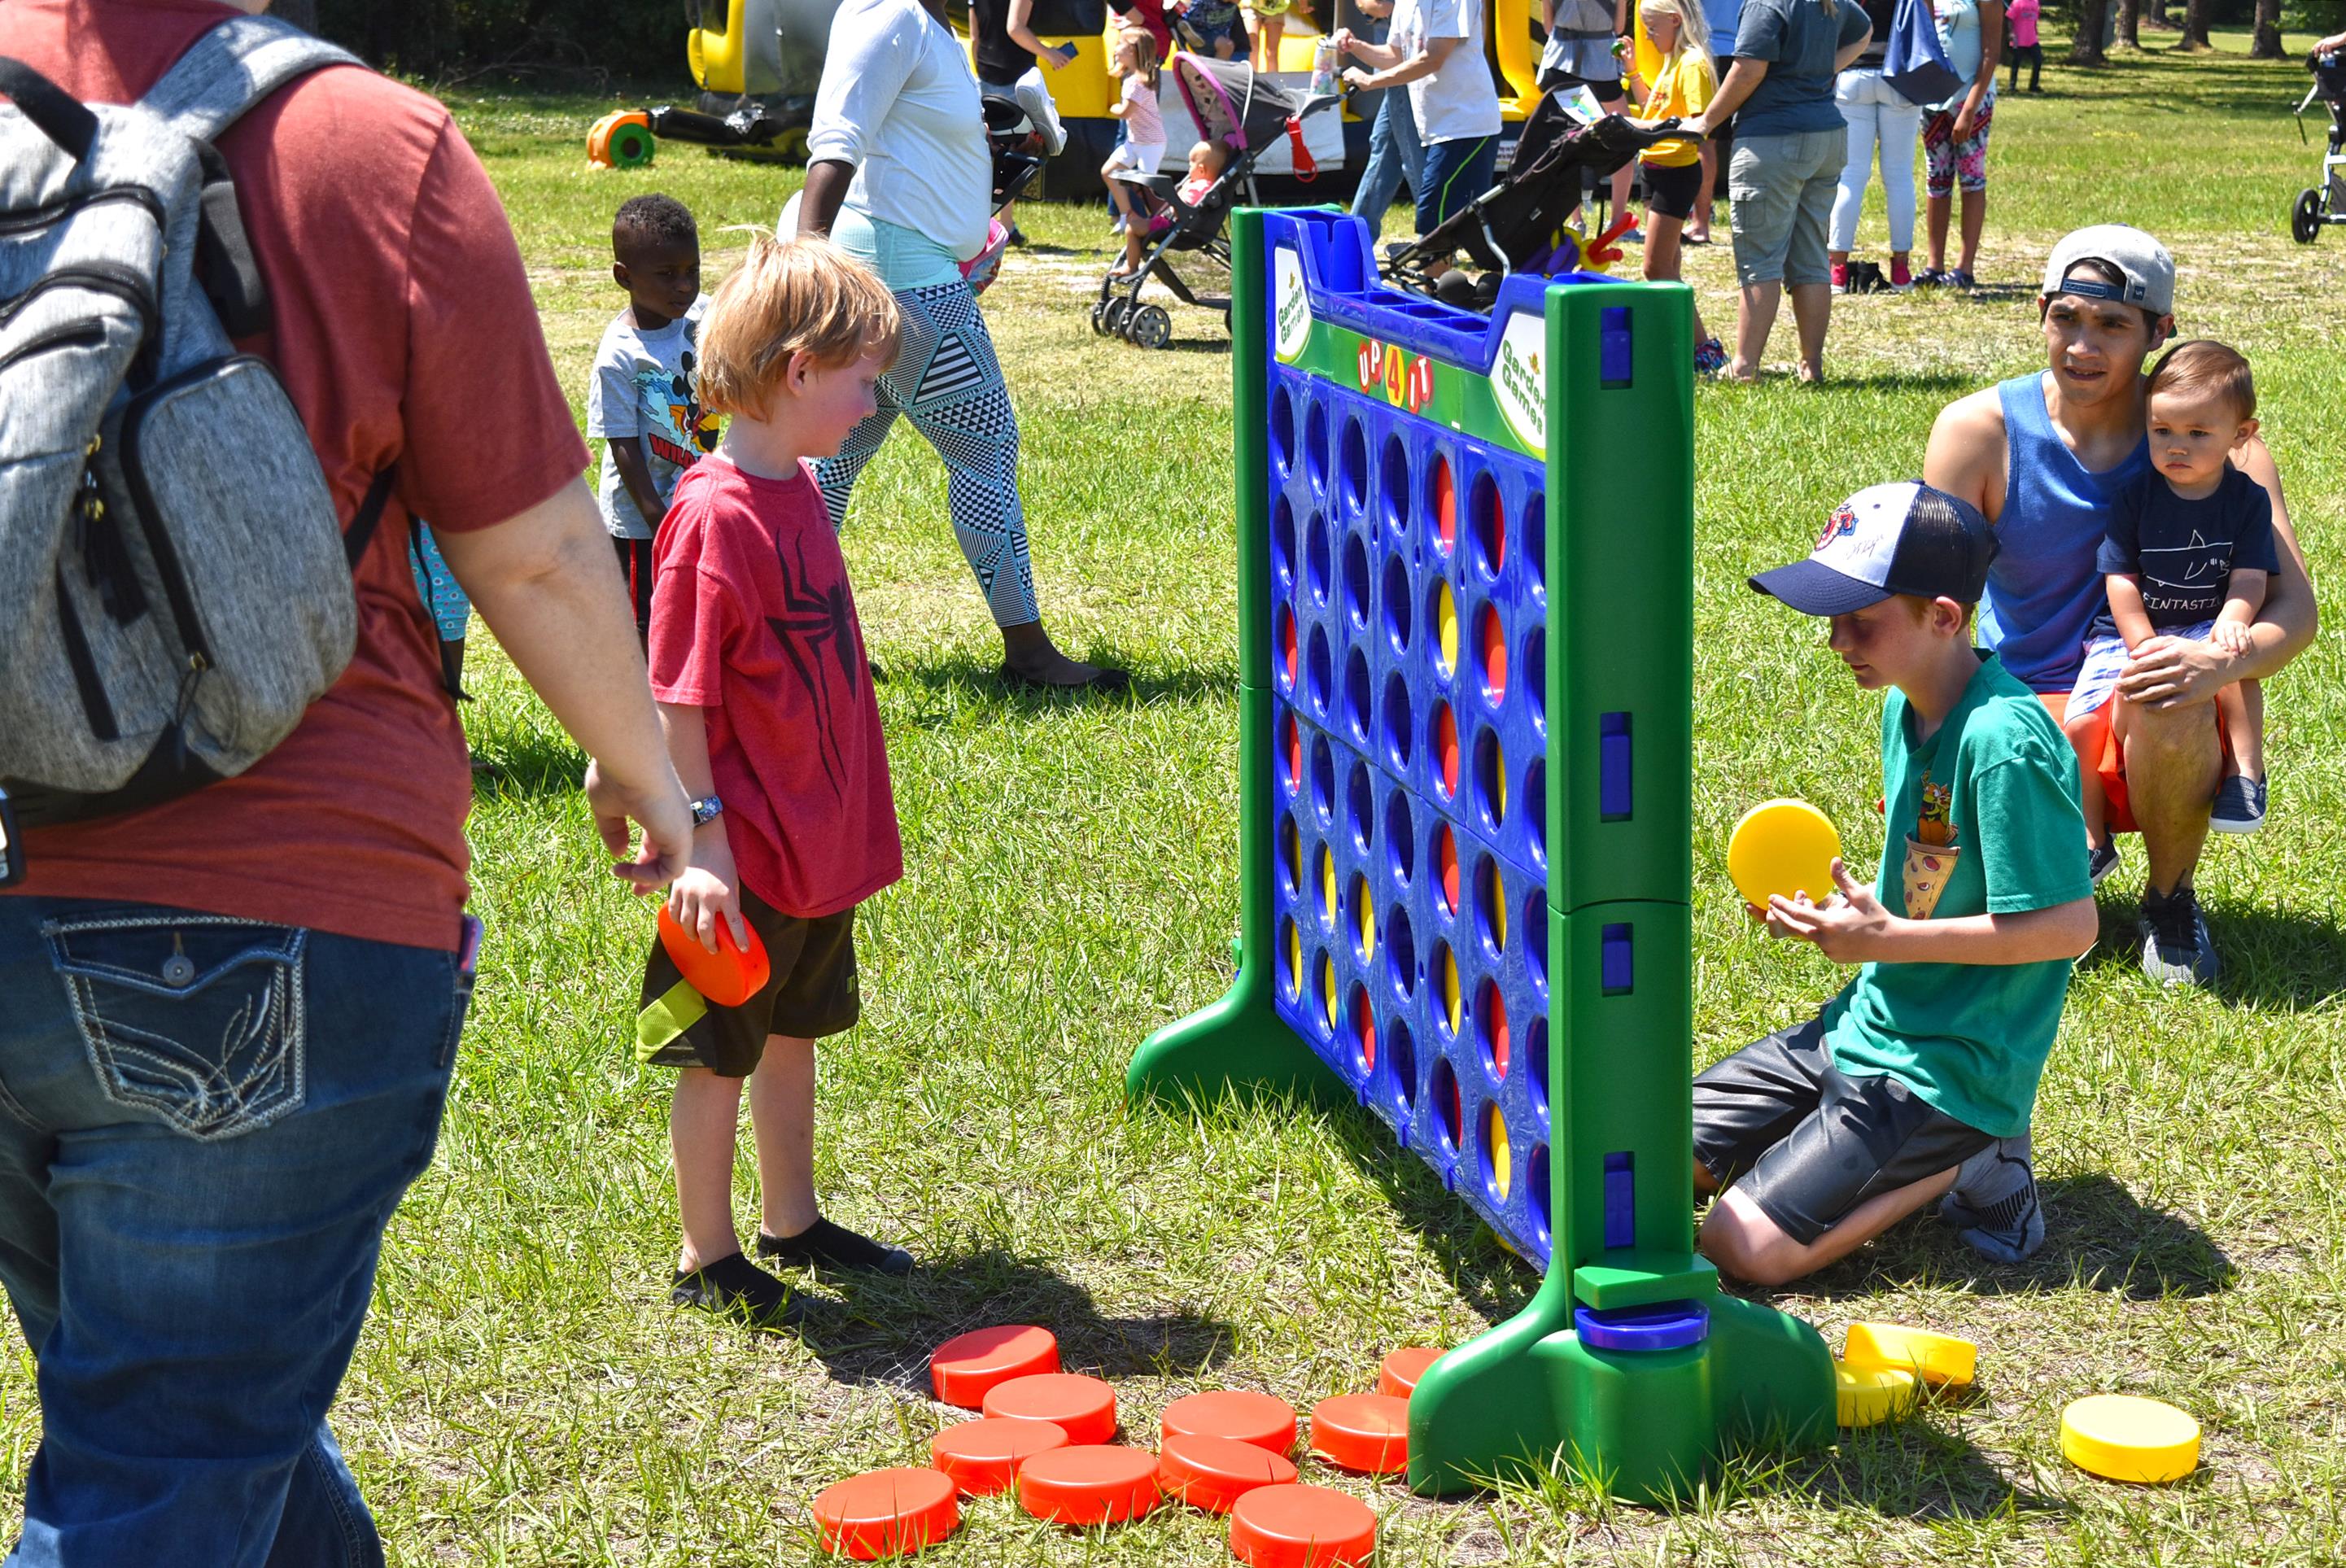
(1901, 538)
(2142, 262)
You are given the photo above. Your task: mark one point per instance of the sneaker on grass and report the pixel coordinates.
(2101, 859)
(2239, 805)
(1994, 1205)
(823, 1245)
(2176, 947)
(733, 1287)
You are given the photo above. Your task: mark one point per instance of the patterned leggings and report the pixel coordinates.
(948, 384)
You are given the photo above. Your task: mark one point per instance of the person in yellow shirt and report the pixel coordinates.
(1681, 89)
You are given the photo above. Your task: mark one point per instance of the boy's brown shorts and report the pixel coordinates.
(812, 993)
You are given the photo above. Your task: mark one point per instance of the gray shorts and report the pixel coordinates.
(1780, 189)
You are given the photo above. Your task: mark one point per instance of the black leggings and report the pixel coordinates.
(2034, 54)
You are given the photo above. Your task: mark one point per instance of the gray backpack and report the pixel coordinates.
(175, 585)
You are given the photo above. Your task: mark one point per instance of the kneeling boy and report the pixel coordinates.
(1918, 1079)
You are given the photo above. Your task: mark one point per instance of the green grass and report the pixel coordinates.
(523, 1393)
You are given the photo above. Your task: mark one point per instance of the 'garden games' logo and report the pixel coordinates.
(1292, 306)
(1406, 379)
(1519, 378)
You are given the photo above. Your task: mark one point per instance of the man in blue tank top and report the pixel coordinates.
(2043, 455)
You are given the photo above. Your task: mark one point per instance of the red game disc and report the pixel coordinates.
(967, 1365)
(731, 975)
(1239, 1414)
(1364, 1432)
(984, 1457)
(1093, 1484)
(1214, 1472)
(1301, 1527)
(1402, 1369)
(887, 1514)
(1084, 1407)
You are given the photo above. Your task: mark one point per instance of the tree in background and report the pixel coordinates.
(2195, 29)
(2266, 46)
(2129, 23)
(2085, 48)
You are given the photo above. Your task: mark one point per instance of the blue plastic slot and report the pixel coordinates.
(1613, 767)
(1617, 960)
(1613, 355)
(1663, 1326)
(1620, 1201)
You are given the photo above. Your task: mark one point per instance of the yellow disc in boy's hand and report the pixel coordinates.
(1782, 846)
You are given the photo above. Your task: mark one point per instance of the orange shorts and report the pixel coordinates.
(2109, 761)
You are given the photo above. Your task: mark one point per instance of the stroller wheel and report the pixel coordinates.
(1112, 316)
(1150, 327)
(1099, 318)
(2305, 218)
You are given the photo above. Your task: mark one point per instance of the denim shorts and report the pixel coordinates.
(1781, 191)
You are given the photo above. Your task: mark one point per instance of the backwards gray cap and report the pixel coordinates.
(2142, 262)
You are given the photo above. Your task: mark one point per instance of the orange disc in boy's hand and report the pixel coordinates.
(727, 977)
(1782, 846)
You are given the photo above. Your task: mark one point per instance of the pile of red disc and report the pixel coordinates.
(1050, 1435)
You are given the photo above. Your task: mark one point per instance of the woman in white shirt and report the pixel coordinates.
(899, 177)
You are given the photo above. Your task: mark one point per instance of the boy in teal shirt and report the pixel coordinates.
(1917, 1080)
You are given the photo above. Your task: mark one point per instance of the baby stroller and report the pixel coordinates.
(1517, 225)
(2326, 204)
(1244, 113)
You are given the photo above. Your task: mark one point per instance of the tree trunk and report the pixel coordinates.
(2129, 23)
(2195, 29)
(2085, 48)
(2267, 43)
(2156, 16)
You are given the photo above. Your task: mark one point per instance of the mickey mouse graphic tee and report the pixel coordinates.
(643, 388)
(753, 621)
(1981, 818)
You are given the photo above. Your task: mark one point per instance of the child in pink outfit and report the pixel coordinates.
(2022, 14)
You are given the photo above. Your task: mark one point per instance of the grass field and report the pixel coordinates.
(524, 1394)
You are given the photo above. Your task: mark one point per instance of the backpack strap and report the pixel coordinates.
(356, 537)
(233, 68)
(60, 115)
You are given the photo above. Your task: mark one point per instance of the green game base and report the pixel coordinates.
(1528, 1397)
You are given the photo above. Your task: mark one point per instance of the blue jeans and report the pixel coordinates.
(205, 1125)
(1394, 152)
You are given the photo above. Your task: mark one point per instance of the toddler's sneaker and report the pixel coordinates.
(733, 1287)
(1841, 277)
(2240, 805)
(1710, 357)
(1994, 1205)
(1901, 277)
(2176, 947)
(823, 1245)
(2101, 859)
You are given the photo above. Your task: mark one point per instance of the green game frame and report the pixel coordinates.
(1527, 1395)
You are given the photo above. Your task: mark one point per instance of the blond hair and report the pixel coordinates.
(1694, 27)
(1144, 63)
(2204, 368)
(789, 297)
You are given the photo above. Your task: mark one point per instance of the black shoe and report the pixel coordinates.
(2101, 859)
(823, 1245)
(1994, 1205)
(2176, 947)
(733, 1287)
(1017, 238)
(1102, 679)
(2239, 805)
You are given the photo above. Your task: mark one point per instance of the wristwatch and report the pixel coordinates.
(705, 809)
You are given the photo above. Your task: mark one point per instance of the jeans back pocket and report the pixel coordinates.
(196, 1019)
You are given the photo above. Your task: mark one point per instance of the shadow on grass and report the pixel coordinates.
(2097, 1237)
(2271, 958)
(529, 763)
(884, 1330)
(968, 678)
(1914, 1469)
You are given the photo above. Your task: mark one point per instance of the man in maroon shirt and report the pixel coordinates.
(230, 1018)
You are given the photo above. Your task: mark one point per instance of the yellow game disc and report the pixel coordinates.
(1868, 1397)
(1939, 1360)
(2128, 1439)
(1327, 886)
(1446, 624)
(1782, 846)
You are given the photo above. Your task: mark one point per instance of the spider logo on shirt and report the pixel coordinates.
(820, 625)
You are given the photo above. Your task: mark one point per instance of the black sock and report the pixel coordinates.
(733, 1286)
(827, 1246)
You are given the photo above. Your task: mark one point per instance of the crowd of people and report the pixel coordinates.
(234, 1015)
